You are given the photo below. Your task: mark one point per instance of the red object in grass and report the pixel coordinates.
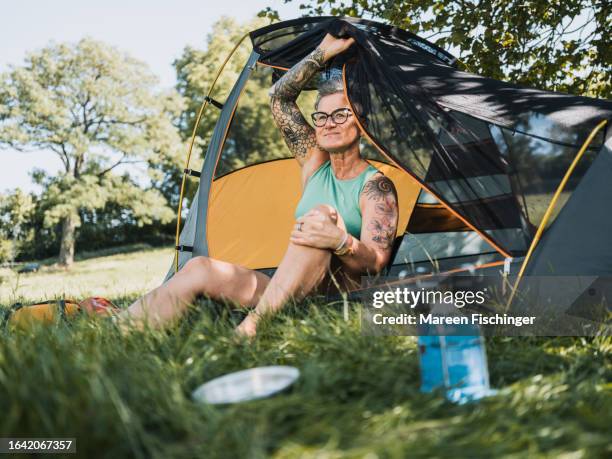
(98, 305)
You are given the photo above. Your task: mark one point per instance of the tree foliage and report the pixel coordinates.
(559, 45)
(16, 209)
(97, 109)
(24, 235)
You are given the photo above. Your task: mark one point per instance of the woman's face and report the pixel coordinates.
(333, 137)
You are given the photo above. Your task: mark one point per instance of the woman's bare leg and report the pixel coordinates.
(300, 272)
(200, 275)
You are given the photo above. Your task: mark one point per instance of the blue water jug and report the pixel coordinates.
(456, 363)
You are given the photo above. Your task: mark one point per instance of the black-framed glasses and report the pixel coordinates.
(339, 116)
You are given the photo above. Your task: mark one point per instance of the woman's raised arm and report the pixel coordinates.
(299, 135)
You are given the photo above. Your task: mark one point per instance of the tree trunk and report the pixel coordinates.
(66, 255)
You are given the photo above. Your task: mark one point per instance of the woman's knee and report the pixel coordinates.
(196, 265)
(332, 213)
(327, 210)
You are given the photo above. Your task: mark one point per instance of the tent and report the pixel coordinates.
(477, 162)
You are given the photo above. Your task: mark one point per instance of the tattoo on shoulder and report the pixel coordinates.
(383, 225)
(379, 187)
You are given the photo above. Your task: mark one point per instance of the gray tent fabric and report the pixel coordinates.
(193, 233)
(578, 243)
(571, 268)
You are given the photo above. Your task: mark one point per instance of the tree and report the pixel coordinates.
(98, 110)
(559, 45)
(16, 209)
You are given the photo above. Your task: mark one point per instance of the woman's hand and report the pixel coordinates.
(332, 46)
(315, 229)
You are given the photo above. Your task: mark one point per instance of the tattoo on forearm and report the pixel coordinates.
(298, 134)
(291, 83)
(384, 225)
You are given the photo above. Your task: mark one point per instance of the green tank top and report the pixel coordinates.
(323, 187)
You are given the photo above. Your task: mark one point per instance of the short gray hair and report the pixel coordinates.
(328, 87)
(334, 85)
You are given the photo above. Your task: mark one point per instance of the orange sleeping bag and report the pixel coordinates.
(49, 311)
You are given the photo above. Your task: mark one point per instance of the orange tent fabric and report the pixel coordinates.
(253, 210)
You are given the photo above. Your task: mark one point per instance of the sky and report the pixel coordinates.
(154, 31)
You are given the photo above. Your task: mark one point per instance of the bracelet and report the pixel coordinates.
(344, 248)
(344, 239)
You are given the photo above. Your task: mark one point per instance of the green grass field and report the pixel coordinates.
(115, 275)
(358, 397)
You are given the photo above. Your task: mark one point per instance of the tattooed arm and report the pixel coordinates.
(379, 209)
(299, 135)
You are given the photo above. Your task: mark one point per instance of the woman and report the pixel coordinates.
(346, 218)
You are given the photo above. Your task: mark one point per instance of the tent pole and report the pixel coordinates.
(193, 136)
(551, 206)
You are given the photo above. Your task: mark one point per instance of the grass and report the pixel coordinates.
(357, 397)
(109, 274)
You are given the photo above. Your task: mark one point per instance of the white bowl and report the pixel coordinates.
(245, 385)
